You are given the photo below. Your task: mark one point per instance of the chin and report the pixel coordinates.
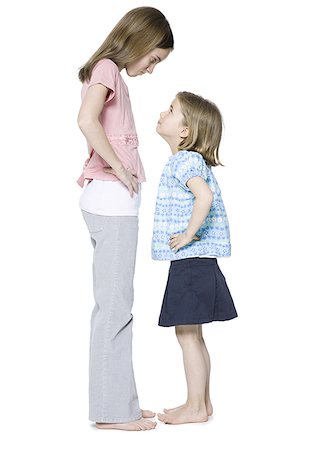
(131, 74)
(128, 72)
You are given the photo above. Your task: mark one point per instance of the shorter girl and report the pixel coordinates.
(191, 230)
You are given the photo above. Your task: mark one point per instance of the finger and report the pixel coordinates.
(135, 186)
(132, 171)
(130, 188)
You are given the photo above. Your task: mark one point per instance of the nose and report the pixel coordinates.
(150, 68)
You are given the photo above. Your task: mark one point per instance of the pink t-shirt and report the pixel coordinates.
(118, 122)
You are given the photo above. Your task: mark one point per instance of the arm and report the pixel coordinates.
(202, 204)
(88, 121)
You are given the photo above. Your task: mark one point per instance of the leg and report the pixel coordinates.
(206, 356)
(112, 389)
(196, 376)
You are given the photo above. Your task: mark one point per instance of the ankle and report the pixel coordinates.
(196, 406)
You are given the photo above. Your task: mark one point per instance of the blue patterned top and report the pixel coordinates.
(174, 208)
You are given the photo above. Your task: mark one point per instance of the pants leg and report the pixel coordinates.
(112, 390)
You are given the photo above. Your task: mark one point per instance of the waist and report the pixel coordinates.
(195, 261)
(109, 198)
(127, 139)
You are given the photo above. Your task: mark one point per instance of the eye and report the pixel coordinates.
(154, 60)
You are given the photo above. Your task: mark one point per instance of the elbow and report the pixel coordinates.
(208, 197)
(84, 122)
(205, 197)
(210, 200)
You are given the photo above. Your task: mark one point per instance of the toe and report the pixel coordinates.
(146, 413)
(149, 424)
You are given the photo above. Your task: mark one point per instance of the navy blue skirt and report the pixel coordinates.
(196, 293)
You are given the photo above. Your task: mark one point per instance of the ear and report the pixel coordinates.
(184, 132)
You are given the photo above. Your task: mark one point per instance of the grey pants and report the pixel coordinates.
(112, 390)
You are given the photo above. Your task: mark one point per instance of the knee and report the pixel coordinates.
(187, 335)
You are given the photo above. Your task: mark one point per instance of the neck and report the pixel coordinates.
(173, 143)
(174, 150)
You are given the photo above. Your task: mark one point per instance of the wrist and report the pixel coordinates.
(188, 234)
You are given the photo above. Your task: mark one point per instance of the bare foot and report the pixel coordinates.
(172, 410)
(147, 414)
(209, 408)
(184, 415)
(137, 425)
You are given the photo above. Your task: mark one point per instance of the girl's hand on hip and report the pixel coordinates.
(178, 241)
(127, 177)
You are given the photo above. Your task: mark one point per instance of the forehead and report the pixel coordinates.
(176, 104)
(161, 53)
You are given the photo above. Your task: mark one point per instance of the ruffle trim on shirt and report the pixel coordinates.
(129, 139)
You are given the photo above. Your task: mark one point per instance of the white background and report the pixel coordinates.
(252, 58)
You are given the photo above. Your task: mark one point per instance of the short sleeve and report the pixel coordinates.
(105, 72)
(190, 164)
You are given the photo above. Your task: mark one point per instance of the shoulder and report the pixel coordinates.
(187, 159)
(188, 164)
(189, 155)
(105, 72)
(106, 65)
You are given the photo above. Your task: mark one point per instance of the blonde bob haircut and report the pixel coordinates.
(204, 122)
(139, 32)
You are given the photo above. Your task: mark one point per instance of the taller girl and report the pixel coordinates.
(110, 204)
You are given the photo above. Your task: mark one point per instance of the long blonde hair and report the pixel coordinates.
(139, 32)
(204, 121)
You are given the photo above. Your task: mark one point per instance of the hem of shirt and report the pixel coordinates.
(111, 177)
(115, 214)
(191, 256)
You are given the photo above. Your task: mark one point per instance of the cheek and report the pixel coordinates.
(133, 66)
(144, 63)
(167, 126)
